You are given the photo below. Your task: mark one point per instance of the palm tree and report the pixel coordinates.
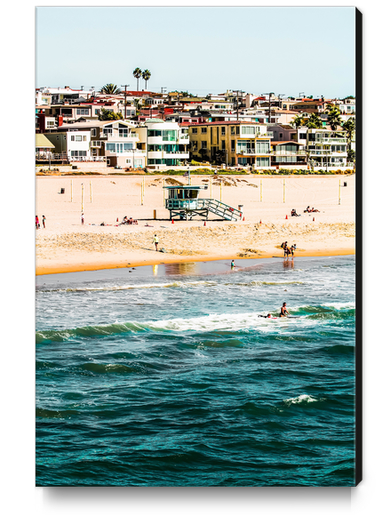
(334, 116)
(298, 121)
(137, 74)
(350, 127)
(313, 122)
(146, 77)
(110, 89)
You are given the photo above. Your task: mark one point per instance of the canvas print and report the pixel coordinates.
(198, 246)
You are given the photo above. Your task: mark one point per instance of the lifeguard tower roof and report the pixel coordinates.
(185, 187)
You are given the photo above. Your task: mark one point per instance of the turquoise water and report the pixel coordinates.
(166, 376)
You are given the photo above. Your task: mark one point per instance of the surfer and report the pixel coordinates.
(284, 311)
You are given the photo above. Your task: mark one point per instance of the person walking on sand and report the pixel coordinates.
(36, 222)
(82, 219)
(43, 221)
(284, 311)
(156, 241)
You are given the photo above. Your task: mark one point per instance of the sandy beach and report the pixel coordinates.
(65, 245)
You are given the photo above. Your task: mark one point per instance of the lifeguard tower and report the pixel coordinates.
(184, 203)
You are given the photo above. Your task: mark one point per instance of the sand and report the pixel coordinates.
(65, 245)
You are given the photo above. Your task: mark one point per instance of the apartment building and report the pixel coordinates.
(234, 143)
(114, 142)
(325, 148)
(166, 143)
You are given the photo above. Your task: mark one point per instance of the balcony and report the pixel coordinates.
(328, 141)
(257, 135)
(288, 153)
(251, 152)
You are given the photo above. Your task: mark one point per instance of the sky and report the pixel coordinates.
(284, 50)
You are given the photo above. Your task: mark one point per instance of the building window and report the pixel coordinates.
(82, 111)
(93, 132)
(233, 130)
(203, 144)
(248, 130)
(223, 131)
(203, 130)
(78, 153)
(110, 147)
(233, 146)
(194, 130)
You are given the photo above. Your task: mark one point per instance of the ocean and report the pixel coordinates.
(166, 376)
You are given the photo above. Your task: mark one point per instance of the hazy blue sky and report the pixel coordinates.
(286, 50)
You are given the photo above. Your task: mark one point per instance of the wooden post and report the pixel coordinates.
(339, 195)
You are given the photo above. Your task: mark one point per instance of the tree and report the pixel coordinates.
(334, 116)
(110, 89)
(146, 77)
(313, 122)
(137, 72)
(298, 121)
(105, 114)
(350, 127)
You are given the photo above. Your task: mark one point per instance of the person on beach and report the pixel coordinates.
(43, 221)
(82, 219)
(156, 241)
(233, 264)
(284, 311)
(292, 249)
(36, 222)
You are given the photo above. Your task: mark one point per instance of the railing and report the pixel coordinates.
(257, 135)
(48, 156)
(287, 153)
(321, 140)
(251, 152)
(216, 207)
(87, 159)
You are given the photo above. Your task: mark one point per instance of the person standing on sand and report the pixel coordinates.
(43, 221)
(82, 219)
(156, 241)
(36, 222)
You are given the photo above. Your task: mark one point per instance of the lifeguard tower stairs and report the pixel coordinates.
(184, 204)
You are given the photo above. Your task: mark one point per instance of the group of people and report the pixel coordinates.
(129, 221)
(294, 213)
(37, 224)
(311, 210)
(288, 251)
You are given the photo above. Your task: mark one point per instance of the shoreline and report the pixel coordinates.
(61, 269)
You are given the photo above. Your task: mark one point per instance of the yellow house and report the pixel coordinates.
(234, 143)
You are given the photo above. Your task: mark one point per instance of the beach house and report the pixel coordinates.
(233, 143)
(166, 143)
